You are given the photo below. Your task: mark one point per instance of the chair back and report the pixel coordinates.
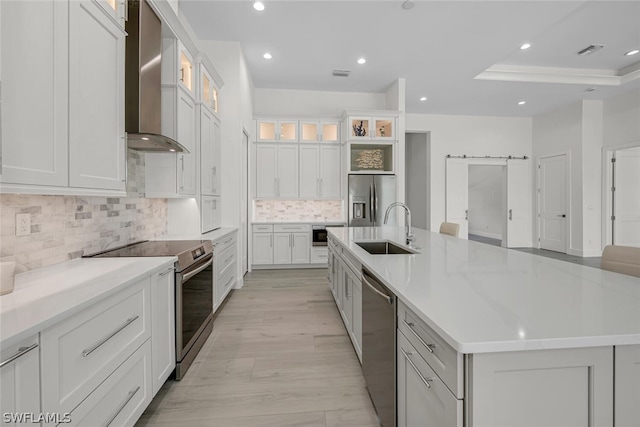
(449, 228)
(621, 259)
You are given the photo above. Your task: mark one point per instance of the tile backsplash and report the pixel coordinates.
(297, 210)
(66, 227)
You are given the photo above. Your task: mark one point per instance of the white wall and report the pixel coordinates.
(291, 102)
(577, 130)
(622, 120)
(470, 135)
(486, 210)
(416, 172)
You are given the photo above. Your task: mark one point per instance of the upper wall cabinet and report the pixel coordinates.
(319, 131)
(361, 127)
(62, 107)
(116, 9)
(276, 130)
(174, 175)
(209, 92)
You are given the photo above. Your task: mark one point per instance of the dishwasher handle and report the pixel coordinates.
(374, 289)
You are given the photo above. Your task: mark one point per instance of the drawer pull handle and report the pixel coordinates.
(424, 380)
(121, 407)
(166, 272)
(410, 325)
(226, 261)
(21, 352)
(129, 321)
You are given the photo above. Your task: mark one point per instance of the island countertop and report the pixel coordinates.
(483, 298)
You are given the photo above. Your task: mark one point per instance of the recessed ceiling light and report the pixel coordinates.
(408, 4)
(522, 102)
(267, 56)
(525, 46)
(259, 6)
(632, 52)
(361, 61)
(424, 98)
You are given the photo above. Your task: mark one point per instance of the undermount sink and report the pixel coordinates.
(385, 248)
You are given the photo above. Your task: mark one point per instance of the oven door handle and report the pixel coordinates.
(190, 274)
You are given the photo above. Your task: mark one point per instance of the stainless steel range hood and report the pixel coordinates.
(142, 82)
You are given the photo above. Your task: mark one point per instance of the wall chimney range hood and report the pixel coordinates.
(142, 82)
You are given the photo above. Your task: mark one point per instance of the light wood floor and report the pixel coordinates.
(278, 356)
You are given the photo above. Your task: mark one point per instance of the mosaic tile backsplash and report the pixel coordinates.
(297, 210)
(66, 227)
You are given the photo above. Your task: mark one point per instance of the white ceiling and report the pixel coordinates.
(439, 47)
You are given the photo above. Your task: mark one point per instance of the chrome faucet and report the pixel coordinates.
(407, 219)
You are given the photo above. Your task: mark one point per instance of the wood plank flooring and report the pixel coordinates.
(278, 356)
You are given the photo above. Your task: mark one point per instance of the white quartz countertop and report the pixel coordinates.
(45, 296)
(483, 298)
(211, 235)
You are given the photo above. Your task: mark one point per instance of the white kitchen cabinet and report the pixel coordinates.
(282, 248)
(319, 255)
(225, 255)
(422, 398)
(20, 380)
(116, 9)
(97, 145)
(163, 347)
(300, 244)
(356, 330)
(319, 131)
(168, 174)
(276, 170)
(627, 383)
(566, 387)
(361, 127)
(319, 171)
(347, 297)
(42, 75)
(268, 130)
(210, 213)
(209, 91)
(262, 244)
(89, 346)
(209, 153)
(75, 74)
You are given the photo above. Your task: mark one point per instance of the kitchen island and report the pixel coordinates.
(515, 338)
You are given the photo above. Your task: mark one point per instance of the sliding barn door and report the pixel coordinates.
(457, 194)
(518, 204)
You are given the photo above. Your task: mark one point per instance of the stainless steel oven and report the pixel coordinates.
(319, 234)
(194, 311)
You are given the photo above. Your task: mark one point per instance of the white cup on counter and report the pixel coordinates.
(7, 276)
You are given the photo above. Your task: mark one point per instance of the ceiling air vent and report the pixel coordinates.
(590, 49)
(341, 73)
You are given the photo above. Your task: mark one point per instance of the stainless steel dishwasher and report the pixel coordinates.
(379, 347)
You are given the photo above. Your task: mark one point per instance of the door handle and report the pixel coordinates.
(562, 216)
(510, 214)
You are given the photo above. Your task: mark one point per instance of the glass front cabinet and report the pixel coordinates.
(370, 128)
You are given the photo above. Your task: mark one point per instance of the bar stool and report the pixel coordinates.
(449, 228)
(621, 259)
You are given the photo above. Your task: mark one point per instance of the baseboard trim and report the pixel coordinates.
(485, 234)
(584, 254)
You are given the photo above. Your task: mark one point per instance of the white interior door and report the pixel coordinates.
(457, 194)
(518, 204)
(626, 201)
(552, 203)
(244, 204)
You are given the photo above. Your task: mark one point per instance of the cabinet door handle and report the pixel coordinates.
(88, 351)
(424, 380)
(271, 241)
(166, 272)
(510, 214)
(21, 352)
(213, 177)
(126, 10)
(320, 187)
(126, 163)
(466, 214)
(410, 325)
(122, 405)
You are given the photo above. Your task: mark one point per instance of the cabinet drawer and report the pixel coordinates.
(441, 357)
(227, 280)
(225, 242)
(225, 258)
(122, 398)
(83, 350)
(423, 399)
(319, 255)
(262, 228)
(291, 228)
